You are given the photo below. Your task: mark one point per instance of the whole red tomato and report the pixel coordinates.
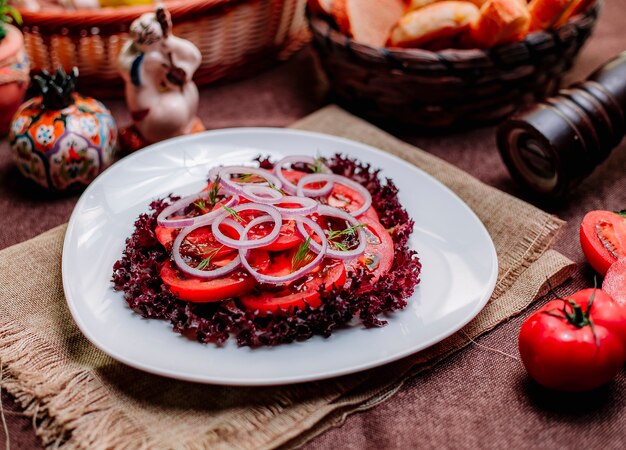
(563, 348)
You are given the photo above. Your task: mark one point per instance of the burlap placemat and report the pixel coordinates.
(80, 398)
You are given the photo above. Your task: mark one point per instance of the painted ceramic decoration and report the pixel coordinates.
(157, 68)
(61, 139)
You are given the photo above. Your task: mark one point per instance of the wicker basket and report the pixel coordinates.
(452, 87)
(235, 37)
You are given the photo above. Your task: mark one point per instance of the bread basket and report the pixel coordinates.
(449, 88)
(235, 37)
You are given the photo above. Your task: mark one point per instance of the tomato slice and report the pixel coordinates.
(199, 290)
(378, 255)
(300, 293)
(166, 235)
(614, 282)
(200, 242)
(342, 197)
(288, 237)
(603, 239)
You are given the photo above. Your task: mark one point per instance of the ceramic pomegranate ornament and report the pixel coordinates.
(61, 139)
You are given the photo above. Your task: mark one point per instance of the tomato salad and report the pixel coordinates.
(272, 254)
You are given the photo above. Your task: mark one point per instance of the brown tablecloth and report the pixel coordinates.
(476, 398)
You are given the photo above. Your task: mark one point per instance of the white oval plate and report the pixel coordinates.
(459, 264)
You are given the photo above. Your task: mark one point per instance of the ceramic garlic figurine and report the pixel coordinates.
(61, 139)
(157, 68)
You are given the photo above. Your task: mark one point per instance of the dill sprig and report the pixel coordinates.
(334, 234)
(302, 256)
(213, 192)
(206, 261)
(200, 204)
(233, 213)
(318, 164)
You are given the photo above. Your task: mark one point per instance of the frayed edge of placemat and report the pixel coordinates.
(527, 252)
(60, 406)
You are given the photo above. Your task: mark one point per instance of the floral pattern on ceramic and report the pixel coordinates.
(63, 148)
(30, 163)
(75, 161)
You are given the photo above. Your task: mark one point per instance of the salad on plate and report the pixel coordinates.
(272, 254)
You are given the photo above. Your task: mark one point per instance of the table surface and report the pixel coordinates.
(478, 397)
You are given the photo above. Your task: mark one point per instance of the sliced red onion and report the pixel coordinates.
(162, 218)
(288, 186)
(261, 194)
(314, 192)
(330, 211)
(261, 278)
(193, 271)
(317, 177)
(309, 206)
(274, 215)
(237, 187)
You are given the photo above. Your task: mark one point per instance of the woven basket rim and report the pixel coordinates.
(92, 17)
(322, 27)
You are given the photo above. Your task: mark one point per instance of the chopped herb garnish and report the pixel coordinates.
(318, 164)
(206, 261)
(200, 204)
(273, 186)
(340, 246)
(333, 234)
(302, 255)
(213, 192)
(233, 213)
(245, 177)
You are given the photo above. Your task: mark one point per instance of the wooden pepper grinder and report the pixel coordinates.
(553, 145)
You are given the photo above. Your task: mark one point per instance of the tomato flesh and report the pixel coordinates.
(341, 196)
(166, 235)
(614, 282)
(603, 239)
(287, 239)
(298, 294)
(199, 290)
(378, 256)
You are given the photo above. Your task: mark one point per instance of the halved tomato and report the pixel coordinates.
(603, 239)
(378, 255)
(199, 290)
(298, 294)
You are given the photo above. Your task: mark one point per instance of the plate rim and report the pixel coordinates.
(273, 381)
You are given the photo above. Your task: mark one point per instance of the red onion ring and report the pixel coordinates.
(245, 243)
(193, 271)
(190, 221)
(236, 187)
(309, 206)
(330, 211)
(269, 279)
(316, 177)
(288, 186)
(261, 194)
